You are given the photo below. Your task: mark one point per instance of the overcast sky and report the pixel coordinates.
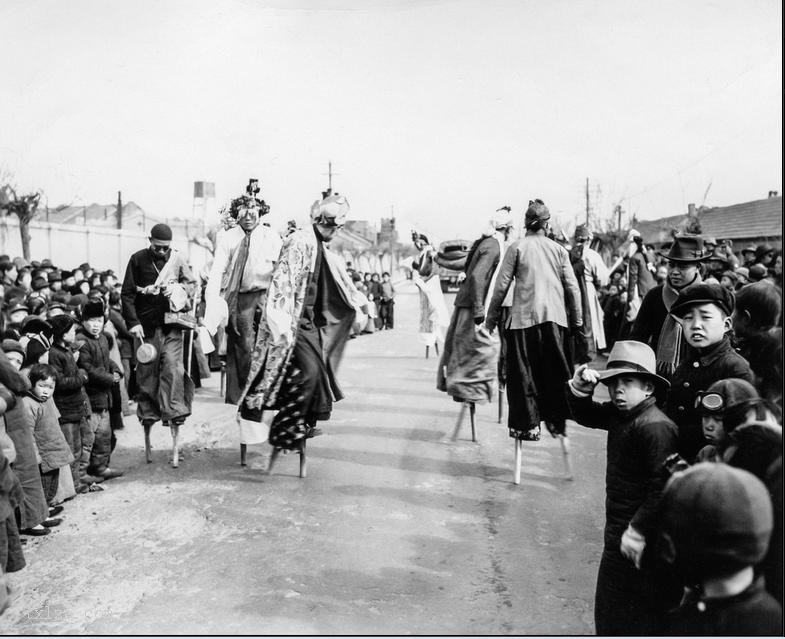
(444, 109)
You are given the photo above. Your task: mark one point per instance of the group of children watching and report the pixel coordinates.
(380, 293)
(693, 534)
(56, 439)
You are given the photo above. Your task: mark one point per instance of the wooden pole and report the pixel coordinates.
(459, 421)
(516, 479)
(119, 210)
(472, 408)
(565, 449)
(587, 202)
(303, 462)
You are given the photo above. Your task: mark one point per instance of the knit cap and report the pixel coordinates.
(719, 517)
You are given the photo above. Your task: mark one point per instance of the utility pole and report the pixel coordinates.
(119, 210)
(329, 175)
(587, 202)
(618, 213)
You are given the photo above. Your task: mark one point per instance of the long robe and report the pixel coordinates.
(282, 331)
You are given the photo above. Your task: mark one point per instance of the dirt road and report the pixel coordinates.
(396, 530)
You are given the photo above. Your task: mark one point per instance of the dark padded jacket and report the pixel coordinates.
(638, 443)
(94, 359)
(481, 263)
(70, 395)
(699, 370)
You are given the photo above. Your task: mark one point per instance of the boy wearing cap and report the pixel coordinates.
(102, 373)
(705, 314)
(640, 438)
(716, 522)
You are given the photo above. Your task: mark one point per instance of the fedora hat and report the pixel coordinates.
(629, 357)
(685, 248)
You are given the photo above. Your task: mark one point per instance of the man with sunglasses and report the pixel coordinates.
(238, 281)
(165, 387)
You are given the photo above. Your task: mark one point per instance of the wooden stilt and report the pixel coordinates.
(501, 405)
(303, 463)
(427, 349)
(175, 445)
(472, 408)
(517, 474)
(148, 449)
(223, 379)
(243, 452)
(273, 457)
(459, 421)
(565, 449)
(436, 348)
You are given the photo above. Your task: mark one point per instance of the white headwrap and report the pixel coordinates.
(502, 218)
(334, 207)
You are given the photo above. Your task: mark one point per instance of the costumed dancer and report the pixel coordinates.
(591, 273)
(236, 292)
(434, 317)
(310, 308)
(467, 371)
(157, 297)
(546, 310)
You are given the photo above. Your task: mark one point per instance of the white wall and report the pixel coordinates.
(68, 245)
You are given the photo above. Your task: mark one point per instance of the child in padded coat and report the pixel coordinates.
(705, 312)
(102, 374)
(53, 449)
(640, 438)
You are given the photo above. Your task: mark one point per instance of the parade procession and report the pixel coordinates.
(448, 386)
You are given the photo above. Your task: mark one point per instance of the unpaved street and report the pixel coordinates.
(396, 529)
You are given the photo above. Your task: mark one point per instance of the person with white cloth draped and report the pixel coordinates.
(434, 317)
(595, 275)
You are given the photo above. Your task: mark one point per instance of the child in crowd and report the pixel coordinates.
(705, 312)
(32, 509)
(70, 396)
(387, 306)
(53, 449)
(102, 374)
(716, 522)
(640, 438)
(759, 339)
(722, 407)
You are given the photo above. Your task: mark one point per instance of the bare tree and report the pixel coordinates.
(24, 207)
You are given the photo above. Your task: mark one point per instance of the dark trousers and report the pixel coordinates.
(72, 431)
(539, 363)
(49, 482)
(621, 606)
(165, 389)
(240, 341)
(386, 313)
(97, 444)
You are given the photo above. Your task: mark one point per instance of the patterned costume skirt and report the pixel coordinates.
(539, 363)
(305, 397)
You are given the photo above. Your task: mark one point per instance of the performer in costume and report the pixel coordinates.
(157, 296)
(467, 371)
(546, 304)
(434, 317)
(237, 285)
(308, 315)
(591, 273)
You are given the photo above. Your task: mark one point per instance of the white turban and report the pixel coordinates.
(334, 208)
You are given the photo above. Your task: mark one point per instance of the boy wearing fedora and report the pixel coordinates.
(704, 311)
(640, 438)
(654, 325)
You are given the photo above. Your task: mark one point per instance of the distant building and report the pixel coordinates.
(749, 222)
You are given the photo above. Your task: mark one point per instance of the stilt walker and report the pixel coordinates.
(307, 318)
(236, 292)
(434, 317)
(467, 370)
(545, 321)
(158, 303)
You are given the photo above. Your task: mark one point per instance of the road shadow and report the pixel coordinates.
(416, 497)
